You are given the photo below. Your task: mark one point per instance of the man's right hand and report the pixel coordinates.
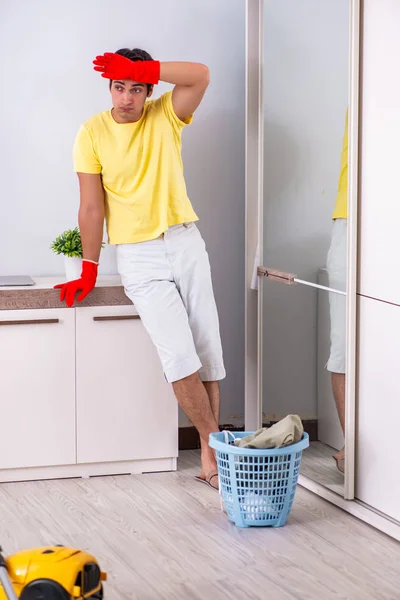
(85, 284)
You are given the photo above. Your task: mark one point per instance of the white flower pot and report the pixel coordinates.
(73, 267)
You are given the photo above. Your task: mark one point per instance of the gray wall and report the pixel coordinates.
(51, 89)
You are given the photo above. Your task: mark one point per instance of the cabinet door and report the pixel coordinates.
(380, 122)
(37, 357)
(125, 408)
(378, 479)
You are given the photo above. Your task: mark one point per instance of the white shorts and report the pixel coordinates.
(169, 282)
(337, 272)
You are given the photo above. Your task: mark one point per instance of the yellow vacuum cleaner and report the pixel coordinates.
(51, 573)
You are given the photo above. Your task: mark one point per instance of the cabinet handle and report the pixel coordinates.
(30, 322)
(117, 318)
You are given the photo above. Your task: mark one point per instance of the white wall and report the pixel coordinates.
(50, 88)
(306, 83)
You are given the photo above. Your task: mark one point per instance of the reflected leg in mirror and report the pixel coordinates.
(339, 390)
(337, 271)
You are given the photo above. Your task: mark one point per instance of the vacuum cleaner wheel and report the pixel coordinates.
(98, 595)
(44, 589)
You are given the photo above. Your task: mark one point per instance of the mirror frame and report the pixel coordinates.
(254, 230)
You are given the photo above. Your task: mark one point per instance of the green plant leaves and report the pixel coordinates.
(68, 243)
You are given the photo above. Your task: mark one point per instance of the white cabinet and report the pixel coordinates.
(37, 358)
(380, 123)
(378, 479)
(125, 408)
(82, 393)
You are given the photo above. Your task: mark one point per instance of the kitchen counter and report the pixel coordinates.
(108, 292)
(82, 387)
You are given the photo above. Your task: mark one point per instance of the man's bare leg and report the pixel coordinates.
(212, 389)
(192, 395)
(339, 392)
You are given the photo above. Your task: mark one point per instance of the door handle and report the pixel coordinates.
(291, 279)
(31, 322)
(117, 318)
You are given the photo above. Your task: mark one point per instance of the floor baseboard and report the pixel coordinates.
(189, 438)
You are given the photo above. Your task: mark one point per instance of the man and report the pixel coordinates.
(337, 271)
(129, 165)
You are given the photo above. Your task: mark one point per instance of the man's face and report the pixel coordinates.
(128, 98)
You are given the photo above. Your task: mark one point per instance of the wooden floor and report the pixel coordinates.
(317, 464)
(164, 536)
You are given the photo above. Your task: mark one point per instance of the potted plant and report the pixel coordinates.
(69, 244)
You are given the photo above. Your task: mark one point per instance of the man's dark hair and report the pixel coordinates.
(134, 55)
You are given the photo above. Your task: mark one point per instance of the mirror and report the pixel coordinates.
(305, 74)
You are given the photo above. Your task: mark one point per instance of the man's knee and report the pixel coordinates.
(188, 379)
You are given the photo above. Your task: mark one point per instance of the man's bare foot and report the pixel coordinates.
(339, 455)
(208, 464)
(209, 471)
(340, 458)
(211, 478)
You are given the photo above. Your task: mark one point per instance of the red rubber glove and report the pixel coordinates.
(115, 66)
(86, 283)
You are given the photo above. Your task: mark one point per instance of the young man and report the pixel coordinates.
(337, 272)
(129, 165)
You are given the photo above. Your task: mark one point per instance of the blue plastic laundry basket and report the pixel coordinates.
(257, 486)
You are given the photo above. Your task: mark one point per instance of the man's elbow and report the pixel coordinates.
(204, 75)
(91, 213)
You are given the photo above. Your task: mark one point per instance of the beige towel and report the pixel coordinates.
(287, 431)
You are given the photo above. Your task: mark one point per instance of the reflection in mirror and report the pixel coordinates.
(306, 54)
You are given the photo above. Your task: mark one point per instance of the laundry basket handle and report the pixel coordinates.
(226, 436)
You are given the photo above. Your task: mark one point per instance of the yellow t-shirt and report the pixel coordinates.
(340, 211)
(141, 168)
